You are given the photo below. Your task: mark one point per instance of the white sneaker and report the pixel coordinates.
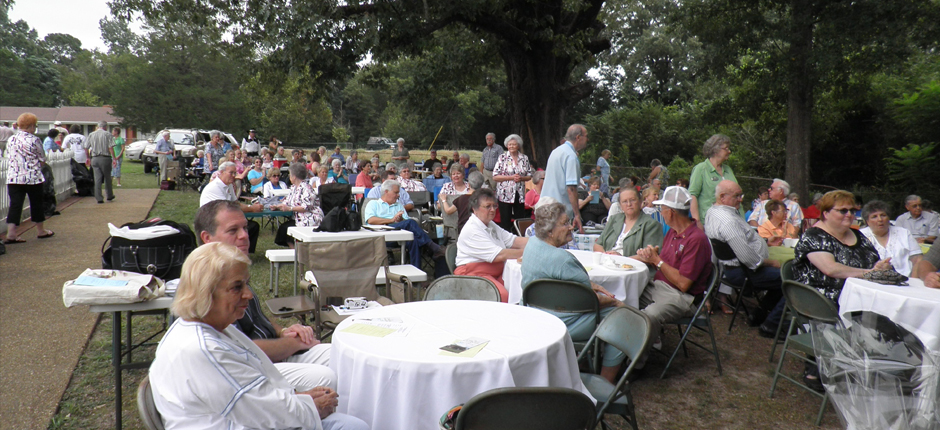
(658, 344)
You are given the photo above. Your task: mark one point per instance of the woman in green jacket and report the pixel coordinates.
(631, 230)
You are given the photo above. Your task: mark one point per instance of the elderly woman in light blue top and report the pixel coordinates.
(544, 259)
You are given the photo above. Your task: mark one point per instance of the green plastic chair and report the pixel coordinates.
(451, 255)
(786, 274)
(456, 287)
(805, 303)
(564, 297)
(701, 320)
(629, 330)
(531, 408)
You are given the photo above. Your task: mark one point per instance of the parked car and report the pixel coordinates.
(187, 142)
(135, 150)
(380, 143)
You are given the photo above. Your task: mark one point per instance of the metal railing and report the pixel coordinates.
(60, 162)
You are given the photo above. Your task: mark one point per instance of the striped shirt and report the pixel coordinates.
(723, 223)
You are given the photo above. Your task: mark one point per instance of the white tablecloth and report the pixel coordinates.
(402, 382)
(915, 307)
(625, 285)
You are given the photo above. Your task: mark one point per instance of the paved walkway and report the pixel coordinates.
(40, 339)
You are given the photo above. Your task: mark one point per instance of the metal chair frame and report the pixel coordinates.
(530, 408)
(149, 415)
(471, 286)
(700, 320)
(565, 297)
(805, 303)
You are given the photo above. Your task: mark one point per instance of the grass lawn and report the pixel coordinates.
(693, 395)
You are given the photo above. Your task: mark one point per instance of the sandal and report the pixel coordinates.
(13, 241)
(46, 236)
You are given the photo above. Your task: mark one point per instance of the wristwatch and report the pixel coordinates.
(660, 264)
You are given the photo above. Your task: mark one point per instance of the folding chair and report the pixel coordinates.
(530, 408)
(362, 213)
(455, 287)
(786, 274)
(629, 330)
(805, 303)
(521, 225)
(451, 255)
(562, 297)
(422, 200)
(450, 221)
(342, 269)
(149, 415)
(700, 320)
(724, 252)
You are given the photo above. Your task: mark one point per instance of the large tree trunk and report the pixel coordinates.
(800, 98)
(539, 95)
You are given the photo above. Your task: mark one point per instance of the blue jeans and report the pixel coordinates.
(764, 278)
(421, 239)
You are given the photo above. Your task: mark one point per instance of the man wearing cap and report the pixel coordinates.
(491, 154)
(563, 170)
(250, 144)
(683, 263)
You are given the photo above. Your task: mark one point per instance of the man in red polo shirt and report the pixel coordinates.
(683, 263)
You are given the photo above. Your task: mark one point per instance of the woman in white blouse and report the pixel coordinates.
(890, 241)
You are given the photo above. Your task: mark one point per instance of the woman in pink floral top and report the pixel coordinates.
(25, 158)
(511, 173)
(303, 201)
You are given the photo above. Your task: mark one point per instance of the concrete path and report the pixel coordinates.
(40, 339)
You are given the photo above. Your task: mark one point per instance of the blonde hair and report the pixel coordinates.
(203, 270)
(832, 198)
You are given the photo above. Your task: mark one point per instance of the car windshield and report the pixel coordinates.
(181, 138)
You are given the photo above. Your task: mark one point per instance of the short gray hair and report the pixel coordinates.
(538, 176)
(465, 155)
(479, 196)
(783, 184)
(103, 125)
(515, 137)
(714, 143)
(624, 182)
(400, 140)
(546, 217)
(476, 180)
(215, 133)
(224, 166)
(910, 199)
(574, 131)
(874, 207)
(203, 270)
(491, 134)
(336, 162)
(298, 170)
(389, 184)
(456, 167)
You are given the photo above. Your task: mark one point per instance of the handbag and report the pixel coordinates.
(162, 256)
(334, 221)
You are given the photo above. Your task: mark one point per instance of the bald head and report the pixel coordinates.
(728, 193)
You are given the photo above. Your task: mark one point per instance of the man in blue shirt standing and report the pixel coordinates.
(388, 210)
(563, 171)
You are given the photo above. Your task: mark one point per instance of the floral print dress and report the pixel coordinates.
(508, 191)
(303, 194)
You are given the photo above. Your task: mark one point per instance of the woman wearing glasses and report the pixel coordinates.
(832, 251)
(707, 174)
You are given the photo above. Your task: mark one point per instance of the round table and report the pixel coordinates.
(915, 307)
(625, 285)
(402, 381)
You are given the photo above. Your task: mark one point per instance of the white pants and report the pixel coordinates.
(309, 370)
(343, 422)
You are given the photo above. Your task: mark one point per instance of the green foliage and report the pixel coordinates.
(646, 130)
(286, 107)
(907, 168)
(27, 74)
(82, 98)
(340, 134)
(681, 169)
(919, 112)
(62, 48)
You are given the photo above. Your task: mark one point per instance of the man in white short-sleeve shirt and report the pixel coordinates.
(563, 170)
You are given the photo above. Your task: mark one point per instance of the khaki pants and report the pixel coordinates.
(663, 304)
(488, 176)
(161, 160)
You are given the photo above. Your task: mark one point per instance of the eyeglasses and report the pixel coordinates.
(843, 211)
(490, 207)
